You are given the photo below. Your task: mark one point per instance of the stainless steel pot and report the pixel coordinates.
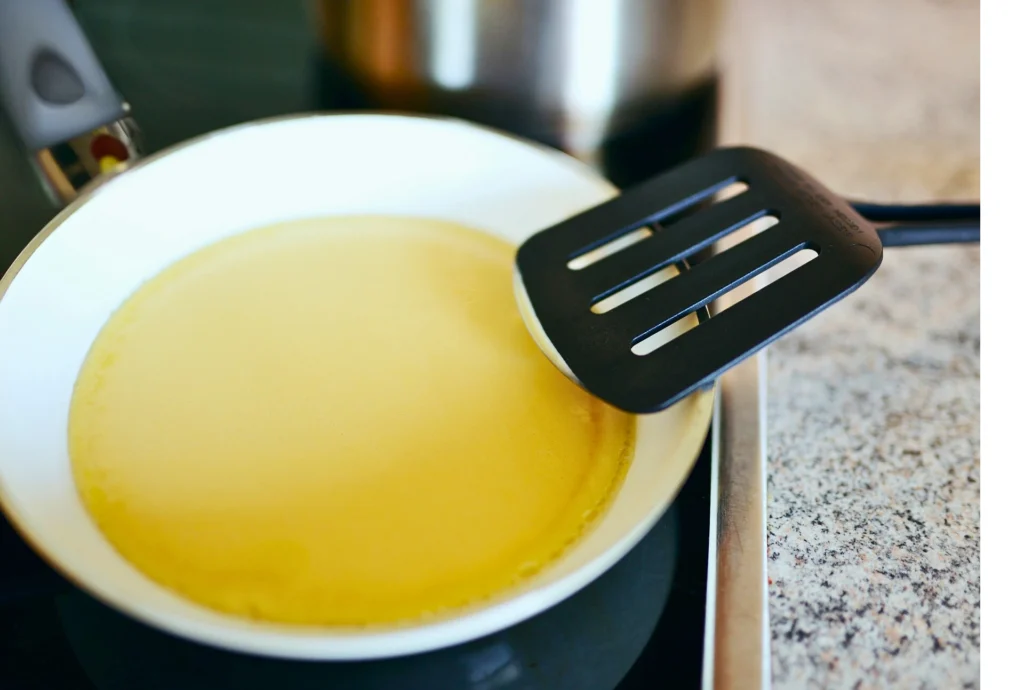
(572, 73)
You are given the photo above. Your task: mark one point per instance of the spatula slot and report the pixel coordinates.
(645, 280)
(635, 290)
(628, 236)
(733, 189)
(728, 189)
(766, 278)
(724, 299)
(606, 250)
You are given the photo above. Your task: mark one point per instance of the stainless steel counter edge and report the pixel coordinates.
(742, 654)
(742, 643)
(742, 649)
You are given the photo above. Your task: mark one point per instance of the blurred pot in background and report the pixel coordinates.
(575, 74)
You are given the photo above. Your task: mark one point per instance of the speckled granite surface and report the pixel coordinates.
(873, 517)
(873, 412)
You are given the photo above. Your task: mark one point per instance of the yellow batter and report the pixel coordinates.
(337, 421)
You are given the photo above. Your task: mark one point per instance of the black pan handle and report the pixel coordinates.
(918, 224)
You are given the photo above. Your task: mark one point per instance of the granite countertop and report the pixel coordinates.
(874, 407)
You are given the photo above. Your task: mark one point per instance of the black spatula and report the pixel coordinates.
(559, 293)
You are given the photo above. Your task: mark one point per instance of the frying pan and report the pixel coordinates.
(127, 226)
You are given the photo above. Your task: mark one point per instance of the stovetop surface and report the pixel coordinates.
(638, 627)
(191, 66)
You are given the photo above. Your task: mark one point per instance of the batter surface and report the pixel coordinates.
(338, 421)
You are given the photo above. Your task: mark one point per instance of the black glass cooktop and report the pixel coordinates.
(191, 66)
(638, 627)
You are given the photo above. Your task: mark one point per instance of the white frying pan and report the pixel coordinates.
(115, 235)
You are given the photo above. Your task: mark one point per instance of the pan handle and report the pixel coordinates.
(51, 82)
(62, 105)
(58, 99)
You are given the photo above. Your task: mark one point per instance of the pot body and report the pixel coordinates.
(570, 73)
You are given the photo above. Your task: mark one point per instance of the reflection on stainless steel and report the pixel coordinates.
(66, 168)
(742, 643)
(495, 666)
(453, 55)
(572, 72)
(741, 600)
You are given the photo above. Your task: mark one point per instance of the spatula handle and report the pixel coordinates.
(899, 213)
(918, 224)
(913, 234)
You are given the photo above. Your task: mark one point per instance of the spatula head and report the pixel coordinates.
(681, 208)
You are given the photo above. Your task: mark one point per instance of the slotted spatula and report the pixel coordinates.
(558, 294)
